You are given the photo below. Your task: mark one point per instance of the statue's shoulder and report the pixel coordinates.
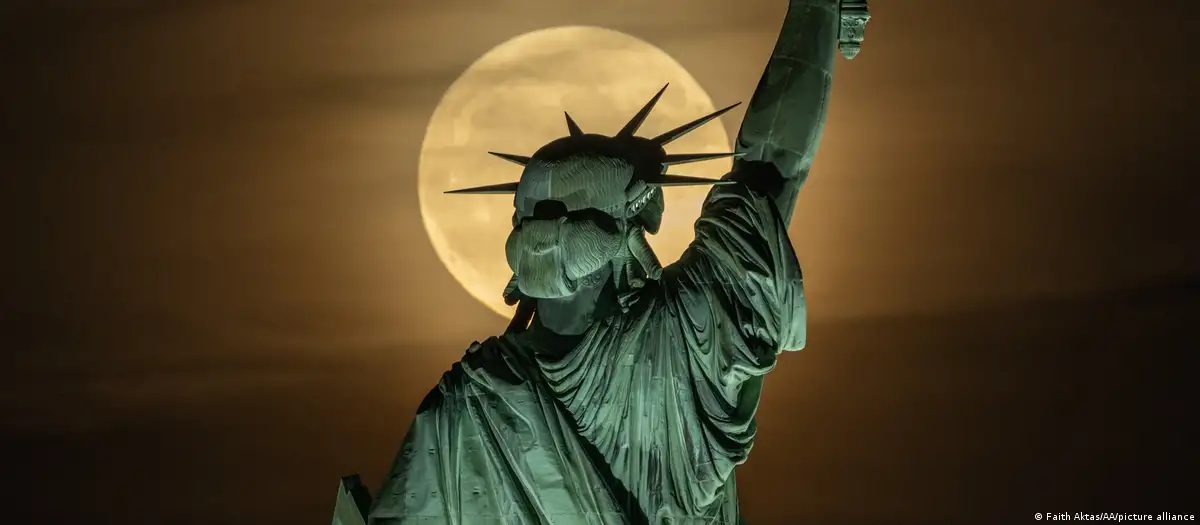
(486, 365)
(498, 357)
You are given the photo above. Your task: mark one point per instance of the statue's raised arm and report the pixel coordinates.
(786, 114)
(742, 270)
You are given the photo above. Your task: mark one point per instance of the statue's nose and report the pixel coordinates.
(549, 210)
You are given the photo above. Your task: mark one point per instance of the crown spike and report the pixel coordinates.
(572, 126)
(684, 158)
(637, 120)
(495, 189)
(667, 179)
(515, 159)
(668, 137)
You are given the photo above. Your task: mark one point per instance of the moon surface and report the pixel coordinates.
(512, 100)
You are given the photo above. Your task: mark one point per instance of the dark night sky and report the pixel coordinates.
(219, 298)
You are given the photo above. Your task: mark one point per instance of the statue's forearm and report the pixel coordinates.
(786, 114)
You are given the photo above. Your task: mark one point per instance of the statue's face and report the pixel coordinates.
(585, 198)
(571, 218)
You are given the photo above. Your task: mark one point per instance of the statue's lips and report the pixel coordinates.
(543, 244)
(542, 248)
(541, 237)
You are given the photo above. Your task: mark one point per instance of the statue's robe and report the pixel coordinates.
(640, 420)
(643, 418)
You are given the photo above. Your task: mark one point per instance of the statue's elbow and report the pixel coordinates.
(795, 335)
(798, 328)
(798, 340)
(791, 143)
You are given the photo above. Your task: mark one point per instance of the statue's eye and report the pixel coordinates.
(605, 221)
(549, 210)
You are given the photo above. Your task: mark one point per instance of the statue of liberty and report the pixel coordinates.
(624, 392)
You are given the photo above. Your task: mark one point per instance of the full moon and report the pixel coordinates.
(512, 100)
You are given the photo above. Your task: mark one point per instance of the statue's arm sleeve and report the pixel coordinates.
(737, 296)
(739, 286)
(786, 114)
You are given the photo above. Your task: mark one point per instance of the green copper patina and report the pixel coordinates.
(622, 391)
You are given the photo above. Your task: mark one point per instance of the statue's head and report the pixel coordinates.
(584, 204)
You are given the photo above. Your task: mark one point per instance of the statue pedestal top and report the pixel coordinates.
(353, 502)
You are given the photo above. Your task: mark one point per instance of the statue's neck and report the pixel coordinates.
(573, 315)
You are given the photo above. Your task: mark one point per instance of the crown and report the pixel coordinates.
(627, 131)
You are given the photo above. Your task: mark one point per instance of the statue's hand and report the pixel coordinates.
(852, 28)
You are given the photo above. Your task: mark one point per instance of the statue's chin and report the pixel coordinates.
(541, 276)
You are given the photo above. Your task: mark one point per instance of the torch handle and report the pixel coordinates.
(854, 15)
